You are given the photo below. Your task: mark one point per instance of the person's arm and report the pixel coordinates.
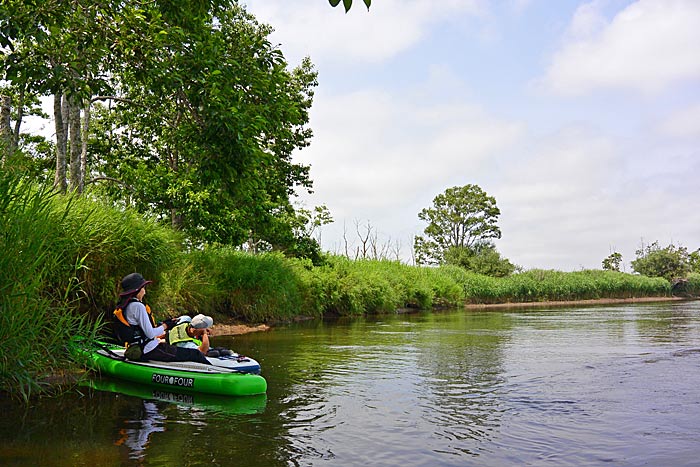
(144, 322)
(204, 348)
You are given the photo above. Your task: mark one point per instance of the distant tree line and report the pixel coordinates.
(672, 262)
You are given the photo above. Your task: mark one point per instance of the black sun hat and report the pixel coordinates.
(133, 283)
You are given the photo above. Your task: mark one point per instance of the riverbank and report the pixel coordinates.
(565, 303)
(236, 329)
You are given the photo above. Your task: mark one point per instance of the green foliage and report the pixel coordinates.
(692, 288)
(671, 262)
(38, 280)
(205, 135)
(112, 243)
(545, 285)
(204, 111)
(481, 259)
(612, 262)
(461, 217)
(249, 287)
(347, 4)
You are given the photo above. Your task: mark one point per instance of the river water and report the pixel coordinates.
(616, 385)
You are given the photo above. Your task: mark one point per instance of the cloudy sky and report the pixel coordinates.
(582, 118)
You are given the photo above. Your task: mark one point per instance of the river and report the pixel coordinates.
(607, 385)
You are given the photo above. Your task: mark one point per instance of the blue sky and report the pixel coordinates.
(582, 119)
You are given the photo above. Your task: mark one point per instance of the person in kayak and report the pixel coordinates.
(136, 326)
(192, 333)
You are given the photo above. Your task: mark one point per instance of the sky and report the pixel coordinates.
(581, 118)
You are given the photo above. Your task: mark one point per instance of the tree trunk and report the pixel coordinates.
(60, 182)
(75, 144)
(20, 116)
(83, 155)
(5, 129)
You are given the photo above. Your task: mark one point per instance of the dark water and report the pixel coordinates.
(615, 386)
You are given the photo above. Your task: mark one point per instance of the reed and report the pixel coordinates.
(547, 285)
(37, 311)
(248, 287)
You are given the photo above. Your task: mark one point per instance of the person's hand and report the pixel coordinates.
(170, 323)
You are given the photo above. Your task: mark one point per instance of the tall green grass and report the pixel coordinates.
(110, 244)
(244, 286)
(37, 282)
(60, 268)
(546, 285)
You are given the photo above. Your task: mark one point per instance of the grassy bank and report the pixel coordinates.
(61, 260)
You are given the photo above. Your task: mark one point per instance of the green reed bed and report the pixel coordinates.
(347, 287)
(61, 262)
(249, 287)
(111, 243)
(546, 285)
(36, 320)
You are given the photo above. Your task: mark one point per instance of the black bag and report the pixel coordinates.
(133, 352)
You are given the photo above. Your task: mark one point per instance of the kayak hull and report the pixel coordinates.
(190, 377)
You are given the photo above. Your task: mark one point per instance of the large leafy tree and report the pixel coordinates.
(461, 217)
(205, 129)
(198, 112)
(73, 50)
(671, 262)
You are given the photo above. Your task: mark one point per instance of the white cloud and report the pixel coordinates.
(375, 149)
(684, 123)
(328, 34)
(648, 46)
(578, 193)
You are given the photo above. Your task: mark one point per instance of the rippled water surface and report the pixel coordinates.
(577, 386)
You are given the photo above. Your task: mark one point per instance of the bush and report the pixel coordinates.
(670, 263)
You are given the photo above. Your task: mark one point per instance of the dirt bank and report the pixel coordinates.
(236, 329)
(599, 301)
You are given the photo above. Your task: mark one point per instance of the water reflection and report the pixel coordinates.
(136, 433)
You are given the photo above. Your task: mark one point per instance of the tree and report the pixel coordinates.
(694, 261)
(461, 217)
(205, 130)
(482, 259)
(186, 105)
(612, 262)
(670, 263)
(347, 4)
(76, 50)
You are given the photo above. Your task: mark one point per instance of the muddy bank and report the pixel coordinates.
(599, 301)
(236, 329)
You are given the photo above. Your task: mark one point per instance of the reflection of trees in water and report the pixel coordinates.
(433, 373)
(135, 435)
(675, 322)
(461, 357)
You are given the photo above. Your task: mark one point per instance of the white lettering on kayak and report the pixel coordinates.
(173, 380)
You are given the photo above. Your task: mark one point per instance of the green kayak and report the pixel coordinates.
(191, 377)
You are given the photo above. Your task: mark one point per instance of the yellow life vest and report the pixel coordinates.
(179, 334)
